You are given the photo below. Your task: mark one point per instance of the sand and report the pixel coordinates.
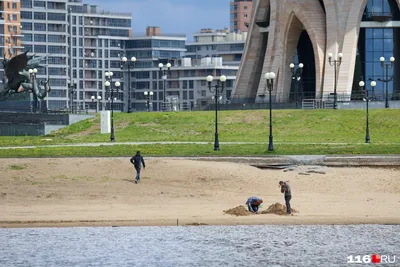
(101, 192)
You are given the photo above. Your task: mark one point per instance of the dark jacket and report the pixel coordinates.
(138, 160)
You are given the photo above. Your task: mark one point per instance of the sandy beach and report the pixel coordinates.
(101, 192)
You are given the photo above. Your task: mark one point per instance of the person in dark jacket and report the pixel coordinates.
(137, 161)
(253, 203)
(285, 189)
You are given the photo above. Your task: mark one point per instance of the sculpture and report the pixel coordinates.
(18, 79)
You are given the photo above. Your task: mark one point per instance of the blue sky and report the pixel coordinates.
(173, 16)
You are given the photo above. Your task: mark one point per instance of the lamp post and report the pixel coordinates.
(373, 84)
(216, 90)
(164, 72)
(296, 76)
(335, 63)
(128, 65)
(98, 98)
(269, 77)
(72, 88)
(386, 66)
(149, 99)
(32, 76)
(108, 85)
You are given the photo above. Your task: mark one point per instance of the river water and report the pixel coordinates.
(197, 246)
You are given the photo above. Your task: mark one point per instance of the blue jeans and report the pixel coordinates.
(287, 201)
(138, 174)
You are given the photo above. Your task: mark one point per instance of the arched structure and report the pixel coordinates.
(280, 32)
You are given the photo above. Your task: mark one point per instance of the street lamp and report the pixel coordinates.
(108, 85)
(373, 84)
(216, 89)
(269, 77)
(32, 76)
(72, 88)
(149, 99)
(386, 66)
(128, 65)
(296, 76)
(98, 101)
(164, 73)
(335, 63)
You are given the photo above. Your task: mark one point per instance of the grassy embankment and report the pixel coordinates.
(295, 132)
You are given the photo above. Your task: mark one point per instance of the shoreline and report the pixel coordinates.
(190, 222)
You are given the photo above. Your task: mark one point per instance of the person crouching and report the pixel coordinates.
(253, 203)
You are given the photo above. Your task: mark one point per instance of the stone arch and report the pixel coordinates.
(250, 70)
(311, 18)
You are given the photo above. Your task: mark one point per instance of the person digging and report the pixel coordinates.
(253, 204)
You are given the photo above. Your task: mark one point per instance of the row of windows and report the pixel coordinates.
(155, 44)
(42, 16)
(27, 26)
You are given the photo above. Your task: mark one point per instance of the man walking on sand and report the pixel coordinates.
(137, 161)
(285, 189)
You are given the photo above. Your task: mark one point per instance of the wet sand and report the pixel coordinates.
(101, 192)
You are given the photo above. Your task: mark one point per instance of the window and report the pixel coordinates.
(40, 16)
(245, 7)
(26, 15)
(27, 37)
(40, 27)
(203, 93)
(190, 84)
(40, 38)
(39, 49)
(56, 16)
(56, 49)
(14, 17)
(191, 95)
(26, 3)
(39, 4)
(245, 15)
(14, 5)
(56, 39)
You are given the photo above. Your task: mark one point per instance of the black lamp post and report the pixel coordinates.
(108, 85)
(164, 73)
(296, 76)
(97, 99)
(335, 63)
(72, 88)
(128, 65)
(32, 76)
(149, 99)
(362, 84)
(387, 79)
(216, 90)
(270, 76)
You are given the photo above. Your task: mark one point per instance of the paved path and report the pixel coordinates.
(169, 143)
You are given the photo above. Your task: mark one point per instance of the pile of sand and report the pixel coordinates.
(238, 211)
(278, 209)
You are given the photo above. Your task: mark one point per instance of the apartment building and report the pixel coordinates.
(219, 43)
(240, 15)
(82, 43)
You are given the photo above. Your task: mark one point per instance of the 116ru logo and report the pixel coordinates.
(374, 258)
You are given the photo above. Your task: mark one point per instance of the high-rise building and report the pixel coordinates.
(220, 43)
(10, 30)
(81, 41)
(240, 14)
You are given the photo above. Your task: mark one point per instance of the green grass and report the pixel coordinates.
(202, 150)
(290, 126)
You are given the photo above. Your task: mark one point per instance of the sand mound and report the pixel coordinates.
(278, 209)
(238, 211)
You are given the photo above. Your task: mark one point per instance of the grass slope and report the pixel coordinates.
(292, 126)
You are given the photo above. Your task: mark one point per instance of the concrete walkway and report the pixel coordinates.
(171, 143)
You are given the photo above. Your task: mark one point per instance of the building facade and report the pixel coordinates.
(185, 84)
(307, 31)
(220, 43)
(81, 41)
(240, 15)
